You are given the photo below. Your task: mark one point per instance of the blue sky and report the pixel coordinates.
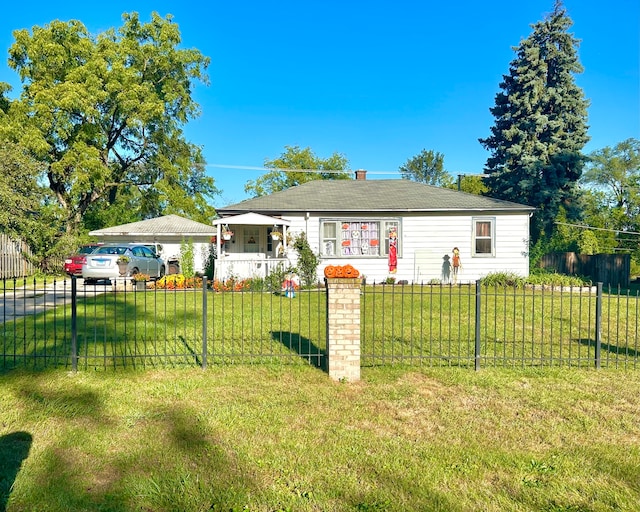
(377, 81)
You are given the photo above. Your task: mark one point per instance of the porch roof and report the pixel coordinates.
(251, 219)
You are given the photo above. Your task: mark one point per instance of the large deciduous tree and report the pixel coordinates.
(20, 193)
(103, 115)
(285, 175)
(540, 124)
(616, 172)
(471, 184)
(427, 167)
(612, 178)
(28, 211)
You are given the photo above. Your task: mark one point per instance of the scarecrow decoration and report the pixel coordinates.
(456, 265)
(289, 285)
(393, 250)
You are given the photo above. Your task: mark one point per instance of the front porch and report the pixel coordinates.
(250, 246)
(245, 266)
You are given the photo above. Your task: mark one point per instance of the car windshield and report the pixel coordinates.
(111, 250)
(87, 249)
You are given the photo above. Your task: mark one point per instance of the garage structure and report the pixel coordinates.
(167, 233)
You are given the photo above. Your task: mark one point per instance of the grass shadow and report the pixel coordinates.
(303, 346)
(14, 449)
(613, 349)
(114, 329)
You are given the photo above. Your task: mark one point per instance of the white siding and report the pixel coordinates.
(426, 240)
(424, 243)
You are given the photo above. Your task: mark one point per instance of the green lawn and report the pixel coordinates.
(276, 438)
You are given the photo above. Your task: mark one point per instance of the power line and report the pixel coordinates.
(583, 226)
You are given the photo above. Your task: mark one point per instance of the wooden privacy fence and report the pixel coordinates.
(14, 260)
(610, 269)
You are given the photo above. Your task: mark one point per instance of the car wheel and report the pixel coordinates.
(162, 271)
(88, 280)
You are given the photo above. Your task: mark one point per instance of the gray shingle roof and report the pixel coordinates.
(397, 195)
(166, 225)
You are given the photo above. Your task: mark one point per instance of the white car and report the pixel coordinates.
(122, 260)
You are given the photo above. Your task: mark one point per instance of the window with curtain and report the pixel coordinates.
(349, 238)
(484, 237)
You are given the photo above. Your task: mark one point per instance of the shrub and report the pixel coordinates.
(555, 279)
(186, 259)
(273, 282)
(308, 261)
(540, 277)
(503, 279)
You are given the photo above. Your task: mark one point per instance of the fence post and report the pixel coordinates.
(343, 328)
(74, 324)
(477, 328)
(204, 322)
(598, 324)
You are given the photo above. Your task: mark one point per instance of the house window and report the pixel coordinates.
(347, 238)
(250, 239)
(484, 239)
(270, 245)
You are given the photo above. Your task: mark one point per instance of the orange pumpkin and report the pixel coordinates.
(329, 271)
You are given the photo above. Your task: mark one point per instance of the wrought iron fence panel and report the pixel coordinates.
(417, 324)
(64, 323)
(620, 346)
(260, 326)
(35, 327)
(537, 326)
(507, 326)
(61, 323)
(121, 328)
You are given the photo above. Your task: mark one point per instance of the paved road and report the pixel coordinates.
(28, 301)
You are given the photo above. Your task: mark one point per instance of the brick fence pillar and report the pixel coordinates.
(343, 328)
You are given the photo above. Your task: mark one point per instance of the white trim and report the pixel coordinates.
(492, 237)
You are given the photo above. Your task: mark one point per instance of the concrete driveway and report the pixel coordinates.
(22, 301)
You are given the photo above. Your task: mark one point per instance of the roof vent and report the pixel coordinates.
(361, 174)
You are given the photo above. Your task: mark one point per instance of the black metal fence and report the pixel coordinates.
(70, 325)
(478, 326)
(65, 324)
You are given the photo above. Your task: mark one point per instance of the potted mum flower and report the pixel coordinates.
(140, 280)
(123, 263)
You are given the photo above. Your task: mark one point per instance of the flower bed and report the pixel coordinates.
(177, 282)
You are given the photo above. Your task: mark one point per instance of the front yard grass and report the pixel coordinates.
(274, 438)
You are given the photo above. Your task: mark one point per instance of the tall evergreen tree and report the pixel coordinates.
(540, 124)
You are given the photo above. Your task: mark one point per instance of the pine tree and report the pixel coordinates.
(540, 125)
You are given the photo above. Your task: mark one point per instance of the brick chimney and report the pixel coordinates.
(361, 174)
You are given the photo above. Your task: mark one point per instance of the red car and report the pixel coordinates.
(73, 264)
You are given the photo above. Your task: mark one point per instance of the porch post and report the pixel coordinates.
(343, 328)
